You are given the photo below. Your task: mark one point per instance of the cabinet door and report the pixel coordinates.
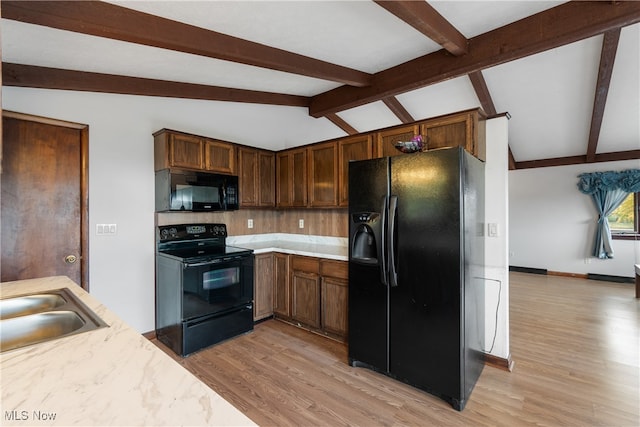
(354, 148)
(334, 305)
(263, 286)
(385, 140)
(248, 176)
(323, 175)
(185, 151)
(450, 131)
(298, 161)
(456, 130)
(281, 298)
(284, 179)
(220, 157)
(266, 184)
(305, 306)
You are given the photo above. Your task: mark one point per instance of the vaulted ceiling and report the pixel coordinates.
(566, 73)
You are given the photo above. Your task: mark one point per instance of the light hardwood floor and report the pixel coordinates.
(575, 344)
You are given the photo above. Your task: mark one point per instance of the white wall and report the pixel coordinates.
(496, 247)
(552, 224)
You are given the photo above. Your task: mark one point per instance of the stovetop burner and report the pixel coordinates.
(193, 242)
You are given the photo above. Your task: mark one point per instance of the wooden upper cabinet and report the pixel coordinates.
(284, 179)
(323, 175)
(256, 172)
(174, 150)
(267, 179)
(220, 157)
(465, 129)
(291, 178)
(352, 148)
(248, 176)
(386, 139)
(179, 150)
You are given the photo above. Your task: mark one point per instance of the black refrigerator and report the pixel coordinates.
(416, 267)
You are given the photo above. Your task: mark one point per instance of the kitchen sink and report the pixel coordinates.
(40, 317)
(29, 304)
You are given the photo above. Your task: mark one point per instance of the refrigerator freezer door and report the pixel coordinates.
(368, 293)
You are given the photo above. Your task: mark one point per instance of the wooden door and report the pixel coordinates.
(354, 148)
(299, 177)
(44, 199)
(284, 179)
(323, 175)
(263, 286)
(334, 305)
(248, 176)
(281, 296)
(267, 177)
(220, 157)
(186, 152)
(386, 139)
(305, 298)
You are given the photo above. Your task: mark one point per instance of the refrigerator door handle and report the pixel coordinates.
(393, 211)
(382, 247)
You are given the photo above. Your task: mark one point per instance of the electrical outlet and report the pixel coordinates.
(301, 223)
(249, 223)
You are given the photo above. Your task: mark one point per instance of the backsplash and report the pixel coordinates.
(317, 222)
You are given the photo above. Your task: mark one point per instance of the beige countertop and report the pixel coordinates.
(108, 376)
(296, 244)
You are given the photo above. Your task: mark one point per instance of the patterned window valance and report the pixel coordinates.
(627, 181)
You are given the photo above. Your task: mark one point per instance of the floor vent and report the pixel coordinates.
(607, 278)
(542, 271)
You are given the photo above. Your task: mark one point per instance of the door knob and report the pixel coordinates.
(70, 259)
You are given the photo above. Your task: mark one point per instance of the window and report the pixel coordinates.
(624, 221)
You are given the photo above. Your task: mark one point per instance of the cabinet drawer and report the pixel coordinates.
(336, 269)
(306, 264)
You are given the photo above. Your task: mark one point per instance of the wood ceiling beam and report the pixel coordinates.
(55, 78)
(561, 25)
(486, 102)
(424, 18)
(338, 121)
(119, 23)
(482, 92)
(398, 109)
(607, 59)
(576, 160)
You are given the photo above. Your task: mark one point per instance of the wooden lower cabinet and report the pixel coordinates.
(281, 300)
(334, 290)
(334, 305)
(264, 274)
(305, 296)
(318, 291)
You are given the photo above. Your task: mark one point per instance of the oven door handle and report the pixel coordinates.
(200, 264)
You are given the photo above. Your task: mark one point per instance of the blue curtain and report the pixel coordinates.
(608, 190)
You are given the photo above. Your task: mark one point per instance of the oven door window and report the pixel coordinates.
(213, 288)
(219, 279)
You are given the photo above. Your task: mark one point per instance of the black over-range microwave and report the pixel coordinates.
(184, 190)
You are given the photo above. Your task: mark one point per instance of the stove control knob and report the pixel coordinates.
(173, 231)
